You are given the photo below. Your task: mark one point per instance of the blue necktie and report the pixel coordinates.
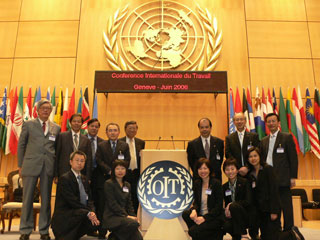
(83, 194)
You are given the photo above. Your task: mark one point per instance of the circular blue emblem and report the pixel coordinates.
(165, 189)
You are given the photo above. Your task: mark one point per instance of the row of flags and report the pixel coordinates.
(299, 119)
(13, 113)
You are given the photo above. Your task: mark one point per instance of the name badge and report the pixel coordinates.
(87, 197)
(253, 184)
(52, 138)
(228, 193)
(208, 191)
(280, 150)
(249, 146)
(218, 156)
(121, 157)
(125, 189)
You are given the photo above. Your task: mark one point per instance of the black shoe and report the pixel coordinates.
(24, 237)
(297, 233)
(45, 237)
(93, 234)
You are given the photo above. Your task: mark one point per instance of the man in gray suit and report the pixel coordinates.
(36, 159)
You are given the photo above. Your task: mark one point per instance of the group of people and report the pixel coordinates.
(92, 196)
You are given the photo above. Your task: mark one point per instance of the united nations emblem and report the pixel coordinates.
(165, 189)
(162, 35)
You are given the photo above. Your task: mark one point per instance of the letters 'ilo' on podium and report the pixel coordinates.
(159, 229)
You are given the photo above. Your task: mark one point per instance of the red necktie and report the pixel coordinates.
(44, 126)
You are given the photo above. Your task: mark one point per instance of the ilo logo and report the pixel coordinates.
(165, 189)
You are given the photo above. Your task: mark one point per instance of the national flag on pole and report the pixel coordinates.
(306, 142)
(16, 124)
(258, 116)
(59, 110)
(3, 113)
(250, 113)
(37, 98)
(48, 97)
(269, 102)
(264, 110)
(231, 112)
(28, 107)
(71, 108)
(95, 106)
(85, 111)
(283, 115)
(13, 98)
(292, 122)
(245, 109)
(311, 126)
(238, 107)
(317, 110)
(65, 113)
(274, 102)
(53, 104)
(297, 116)
(79, 108)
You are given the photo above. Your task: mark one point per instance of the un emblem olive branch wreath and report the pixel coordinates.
(207, 63)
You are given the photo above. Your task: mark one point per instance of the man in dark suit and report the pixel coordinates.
(206, 146)
(278, 150)
(36, 159)
(73, 202)
(135, 146)
(70, 141)
(108, 151)
(238, 143)
(93, 129)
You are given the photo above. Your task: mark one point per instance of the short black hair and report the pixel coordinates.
(78, 152)
(199, 163)
(205, 118)
(272, 114)
(129, 123)
(112, 123)
(229, 162)
(76, 115)
(92, 121)
(118, 162)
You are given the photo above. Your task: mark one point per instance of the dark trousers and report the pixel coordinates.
(208, 230)
(128, 230)
(95, 194)
(133, 177)
(286, 207)
(237, 224)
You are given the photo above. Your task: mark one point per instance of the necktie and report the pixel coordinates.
(93, 149)
(83, 194)
(44, 127)
(272, 141)
(207, 149)
(133, 160)
(241, 142)
(113, 147)
(75, 141)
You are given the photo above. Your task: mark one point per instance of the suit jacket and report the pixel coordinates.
(265, 190)
(285, 163)
(65, 148)
(139, 144)
(68, 206)
(36, 149)
(99, 140)
(195, 151)
(233, 147)
(215, 199)
(243, 194)
(105, 158)
(118, 203)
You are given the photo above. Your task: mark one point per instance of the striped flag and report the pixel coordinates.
(85, 111)
(292, 122)
(283, 115)
(250, 112)
(264, 110)
(317, 110)
(296, 112)
(232, 128)
(48, 97)
(269, 102)
(274, 102)
(306, 142)
(65, 113)
(28, 107)
(258, 116)
(53, 104)
(37, 98)
(79, 108)
(59, 110)
(95, 106)
(3, 114)
(311, 126)
(238, 107)
(13, 99)
(245, 109)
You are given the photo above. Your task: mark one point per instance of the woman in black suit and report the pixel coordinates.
(119, 216)
(204, 218)
(266, 199)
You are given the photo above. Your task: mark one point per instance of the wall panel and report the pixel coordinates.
(314, 29)
(8, 34)
(47, 39)
(316, 67)
(50, 10)
(10, 10)
(5, 73)
(313, 10)
(284, 10)
(278, 39)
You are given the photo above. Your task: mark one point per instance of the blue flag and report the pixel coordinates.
(3, 113)
(232, 128)
(95, 106)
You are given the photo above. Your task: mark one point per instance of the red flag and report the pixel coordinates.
(85, 110)
(65, 113)
(238, 107)
(71, 109)
(264, 111)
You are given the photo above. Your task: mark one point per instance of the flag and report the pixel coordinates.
(71, 109)
(37, 98)
(245, 109)
(231, 113)
(274, 102)
(34, 102)
(317, 110)
(269, 103)
(48, 97)
(16, 124)
(311, 126)
(292, 122)
(283, 115)
(264, 111)
(3, 113)
(95, 106)
(59, 110)
(10, 115)
(297, 116)
(65, 113)
(238, 107)
(258, 116)
(27, 107)
(306, 142)
(85, 111)
(79, 109)
(53, 104)
(250, 113)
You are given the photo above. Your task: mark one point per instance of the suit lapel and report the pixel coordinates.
(213, 147)
(277, 143)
